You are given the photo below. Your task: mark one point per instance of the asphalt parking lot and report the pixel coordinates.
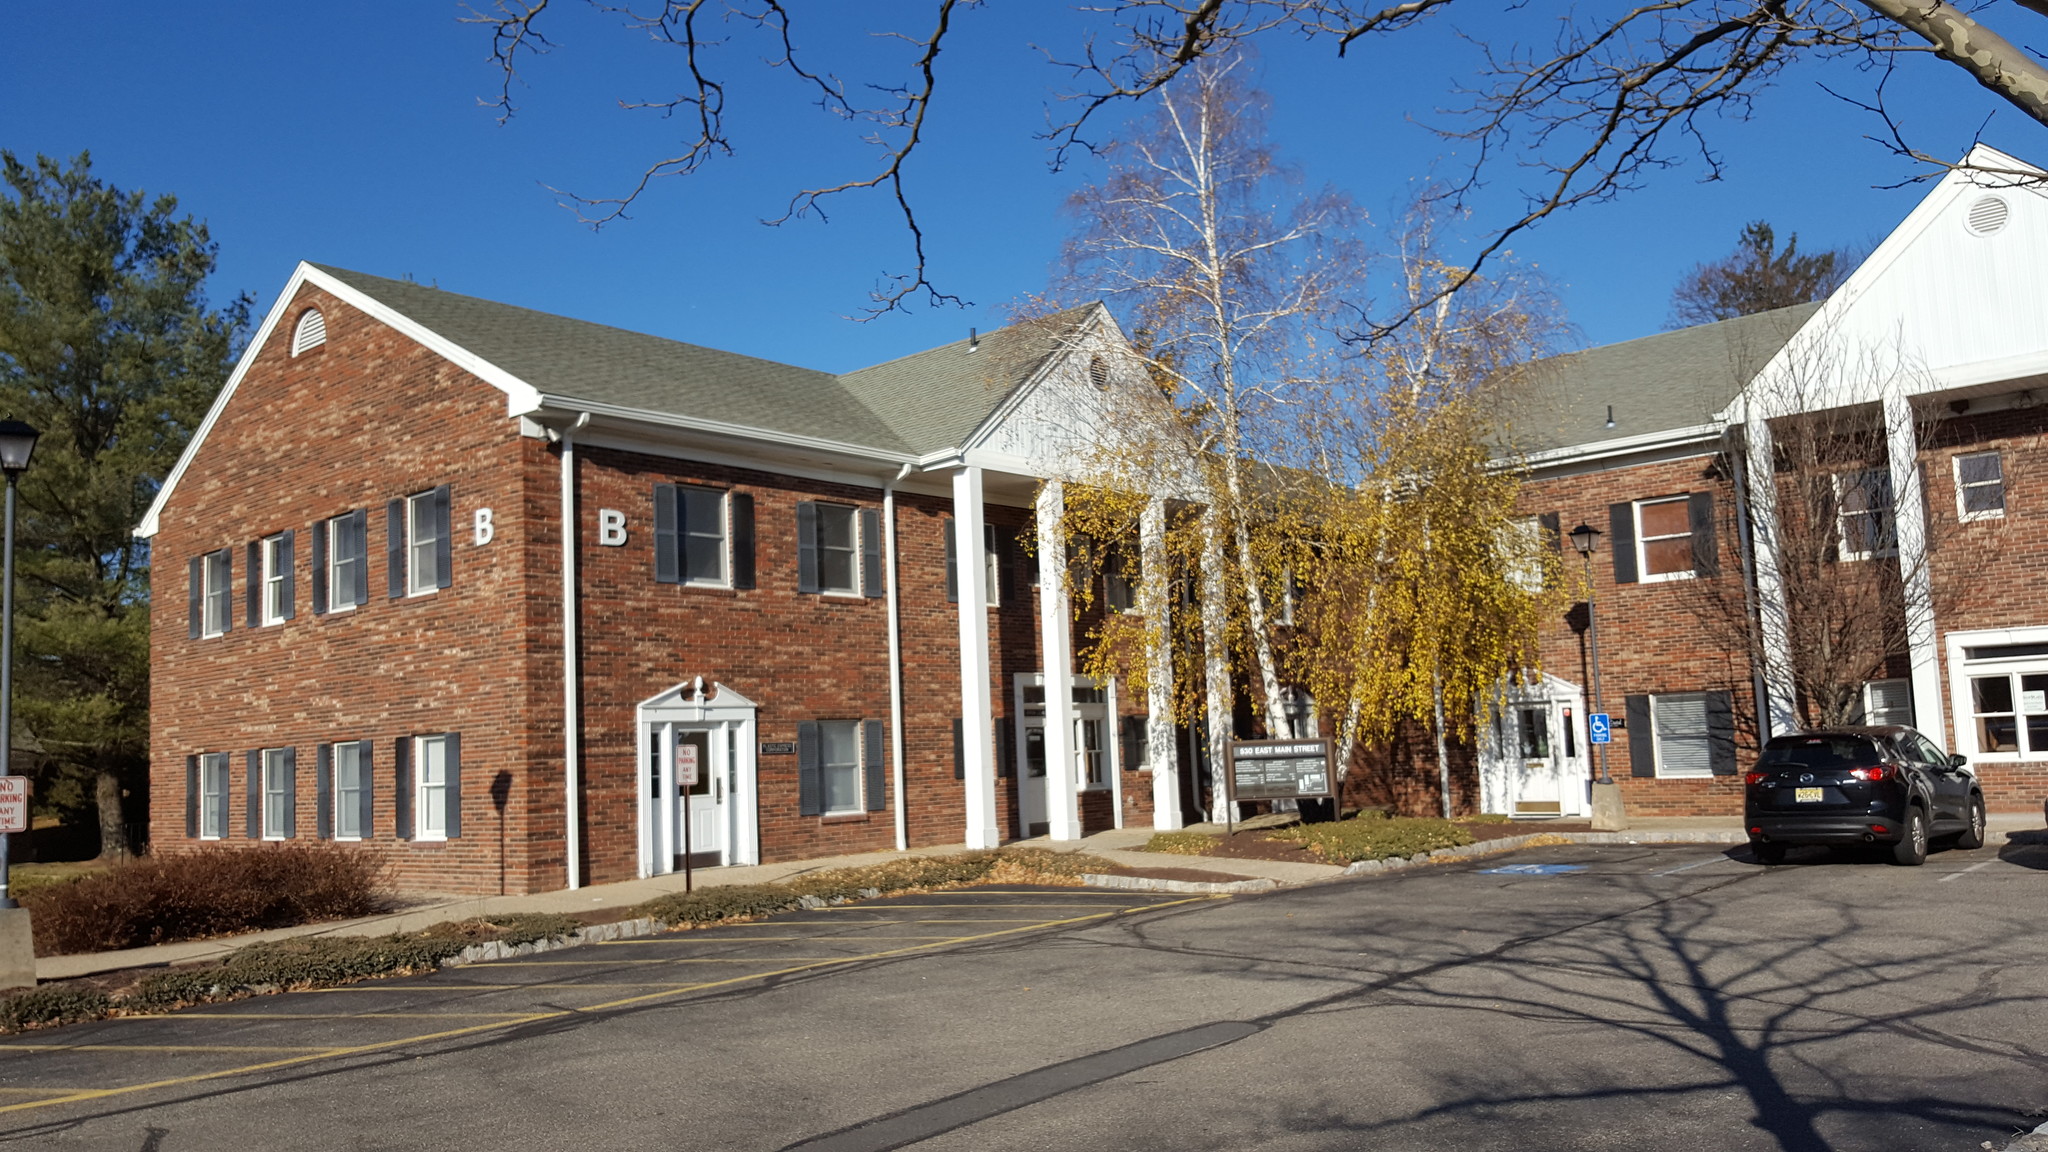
(1572, 997)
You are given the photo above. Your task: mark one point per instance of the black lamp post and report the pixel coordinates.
(17, 444)
(1585, 538)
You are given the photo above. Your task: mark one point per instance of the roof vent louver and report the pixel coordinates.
(311, 332)
(1986, 216)
(1098, 371)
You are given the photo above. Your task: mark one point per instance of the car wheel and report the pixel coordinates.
(1911, 849)
(1767, 853)
(1973, 836)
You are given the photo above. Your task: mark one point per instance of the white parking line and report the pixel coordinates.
(1691, 866)
(1970, 869)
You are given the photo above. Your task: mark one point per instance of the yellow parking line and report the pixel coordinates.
(332, 1016)
(1006, 904)
(557, 1014)
(167, 1047)
(41, 1091)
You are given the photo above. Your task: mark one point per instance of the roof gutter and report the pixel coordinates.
(713, 427)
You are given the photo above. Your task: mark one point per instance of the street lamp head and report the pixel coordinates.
(17, 444)
(1585, 538)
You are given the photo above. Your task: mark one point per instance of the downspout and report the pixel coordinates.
(572, 808)
(1737, 441)
(895, 659)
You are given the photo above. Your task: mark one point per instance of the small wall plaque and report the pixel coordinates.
(778, 747)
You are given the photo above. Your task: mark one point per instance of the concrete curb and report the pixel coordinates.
(2035, 1141)
(1510, 843)
(588, 934)
(1149, 884)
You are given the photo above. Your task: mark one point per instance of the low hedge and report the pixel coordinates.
(1347, 841)
(208, 892)
(911, 873)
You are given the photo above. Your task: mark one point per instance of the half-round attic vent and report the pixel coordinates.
(311, 332)
(1986, 215)
(1098, 371)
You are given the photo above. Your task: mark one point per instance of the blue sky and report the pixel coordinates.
(352, 135)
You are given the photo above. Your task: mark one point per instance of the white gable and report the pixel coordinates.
(1952, 298)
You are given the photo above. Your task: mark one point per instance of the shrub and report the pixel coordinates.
(512, 928)
(725, 902)
(1181, 843)
(58, 1005)
(1345, 841)
(305, 962)
(210, 892)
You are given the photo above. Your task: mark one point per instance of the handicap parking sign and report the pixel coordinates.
(1599, 730)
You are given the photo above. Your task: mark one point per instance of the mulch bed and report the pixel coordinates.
(1254, 846)
(1523, 828)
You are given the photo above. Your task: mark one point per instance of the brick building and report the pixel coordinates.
(388, 631)
(1931, 358)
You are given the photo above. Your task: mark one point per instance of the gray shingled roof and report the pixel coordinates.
(1654, 384)
(915, 405)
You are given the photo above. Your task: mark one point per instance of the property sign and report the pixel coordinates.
(686, 765)
(13, 803)
(1281, 769)
(1599, 730)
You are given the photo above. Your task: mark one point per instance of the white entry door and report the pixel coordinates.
(1533, 759)
(1033, 809)
(1538, 785)
(690, 777)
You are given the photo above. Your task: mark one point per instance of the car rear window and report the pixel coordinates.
(1823, 752)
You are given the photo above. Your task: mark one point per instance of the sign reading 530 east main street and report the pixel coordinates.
(1281, 769)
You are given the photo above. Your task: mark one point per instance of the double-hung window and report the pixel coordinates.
(341, 562)
(1888, 702)
(351, 790)
(1980, 486)
(419, 540)
(273, 572)
(279, 793)
(839, 549)
(216, 577)
(1679, 727)
(1119, 588)
(1664, 543)
(839, 766)
(437, 764)
(704, 537)
(1863, 502)
(211, 799)
(993, 553)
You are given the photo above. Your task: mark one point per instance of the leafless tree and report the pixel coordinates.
(1758, 277)
(1619, 92)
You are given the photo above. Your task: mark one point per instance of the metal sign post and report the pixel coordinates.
(686, 779)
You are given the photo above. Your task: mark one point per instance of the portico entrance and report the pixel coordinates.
(1533, 756)
(686, 733)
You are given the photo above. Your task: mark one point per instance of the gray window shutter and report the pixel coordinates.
(1721, 733)
(359, 547)
(668, 563)
(871, 553)
(806, 547)
(1621, 535)
(1006, 749)
(1553, 530)
(318, 553)
(291, 792)
(394, 547)
(253, 591)
(323, 791)
(952, 565)
(1132, 752)
(1642, 741)
(227, 590)
(444, 500)
(959, 745)
(741, 507)
(871, 763)
(454, 818)
(401, 787)
(255, 762)
(366, 808)
(1006, 565)
(1706, 558)
(192, 797)
(195, 585)
(287, 570)
(810, 786)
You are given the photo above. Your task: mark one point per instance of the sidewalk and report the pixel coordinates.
(1119, 846)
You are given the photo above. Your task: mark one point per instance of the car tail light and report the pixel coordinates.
(1876, 773)
(1754, 777)
(1879, 828)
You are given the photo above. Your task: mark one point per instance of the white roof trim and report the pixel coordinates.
(1623, 446)
(520, 396)
(1098, 315)
(548, 400)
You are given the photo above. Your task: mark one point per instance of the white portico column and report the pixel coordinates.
(1909, 525)
(1780, 710)
(1155, 600)
(977, 732)
(1056, 646)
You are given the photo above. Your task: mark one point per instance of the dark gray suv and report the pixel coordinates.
(1887, 785)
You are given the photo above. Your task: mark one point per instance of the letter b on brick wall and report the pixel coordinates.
(485, 529)
(611, 527)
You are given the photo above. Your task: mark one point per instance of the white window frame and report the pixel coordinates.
(724, 546)
(274, 775)
(852, 513)
(273, 574)
(348, 801)
(430, 799)
(1870, 708)
(213, 790)
(827, 766)
(1963, 513)
(1657, 737)
(1961, 670)
(1643, 540)
(422, 579)
(216, 594)
(335, 559)
(1889, 512)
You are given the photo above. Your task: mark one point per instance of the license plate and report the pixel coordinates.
(1806, 795)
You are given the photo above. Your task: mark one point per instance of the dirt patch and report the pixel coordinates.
(1255, 846)
(1501, 830)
